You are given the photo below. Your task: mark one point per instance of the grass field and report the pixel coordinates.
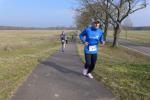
(125, 72)
(142, 37)
(20, 52)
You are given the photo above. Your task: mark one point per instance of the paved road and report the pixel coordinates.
(60, 78)
(144, 49)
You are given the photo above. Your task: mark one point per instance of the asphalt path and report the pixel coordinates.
(60, 78)
(141, 48)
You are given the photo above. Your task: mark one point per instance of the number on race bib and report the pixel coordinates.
(62, 40)
(92, 48)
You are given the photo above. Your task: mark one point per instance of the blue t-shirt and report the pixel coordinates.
(93, 37)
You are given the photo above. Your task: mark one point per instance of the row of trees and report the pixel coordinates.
(110, 12)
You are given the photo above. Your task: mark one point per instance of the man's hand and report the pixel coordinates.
(86, 43)
(103, 43)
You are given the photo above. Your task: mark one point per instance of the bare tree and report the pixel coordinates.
(83, 17)
(116, 10)
(121, 10)
(95, 11)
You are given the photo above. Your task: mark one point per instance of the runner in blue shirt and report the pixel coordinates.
(90, 37)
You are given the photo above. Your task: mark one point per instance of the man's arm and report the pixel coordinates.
(82, 36)
(101, 39)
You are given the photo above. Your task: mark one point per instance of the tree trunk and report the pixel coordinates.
(116, 36)
(105, 33)
(106, 28)
(106, 22)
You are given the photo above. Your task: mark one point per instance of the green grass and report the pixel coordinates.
(142, 37)
(125, 72)
(20, 52)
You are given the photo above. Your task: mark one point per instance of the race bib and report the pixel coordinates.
(62, 40)
(92, 48)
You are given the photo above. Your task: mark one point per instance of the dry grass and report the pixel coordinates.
(135, 36)
(20, 52)
(125, 72)
(11, 39)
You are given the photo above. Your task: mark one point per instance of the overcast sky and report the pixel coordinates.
(46, 13)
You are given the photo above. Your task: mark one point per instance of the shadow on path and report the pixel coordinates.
(60, 68)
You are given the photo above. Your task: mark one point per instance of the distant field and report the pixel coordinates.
(20, 52)
(14, 39)
(135, 36)
(125, 72)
